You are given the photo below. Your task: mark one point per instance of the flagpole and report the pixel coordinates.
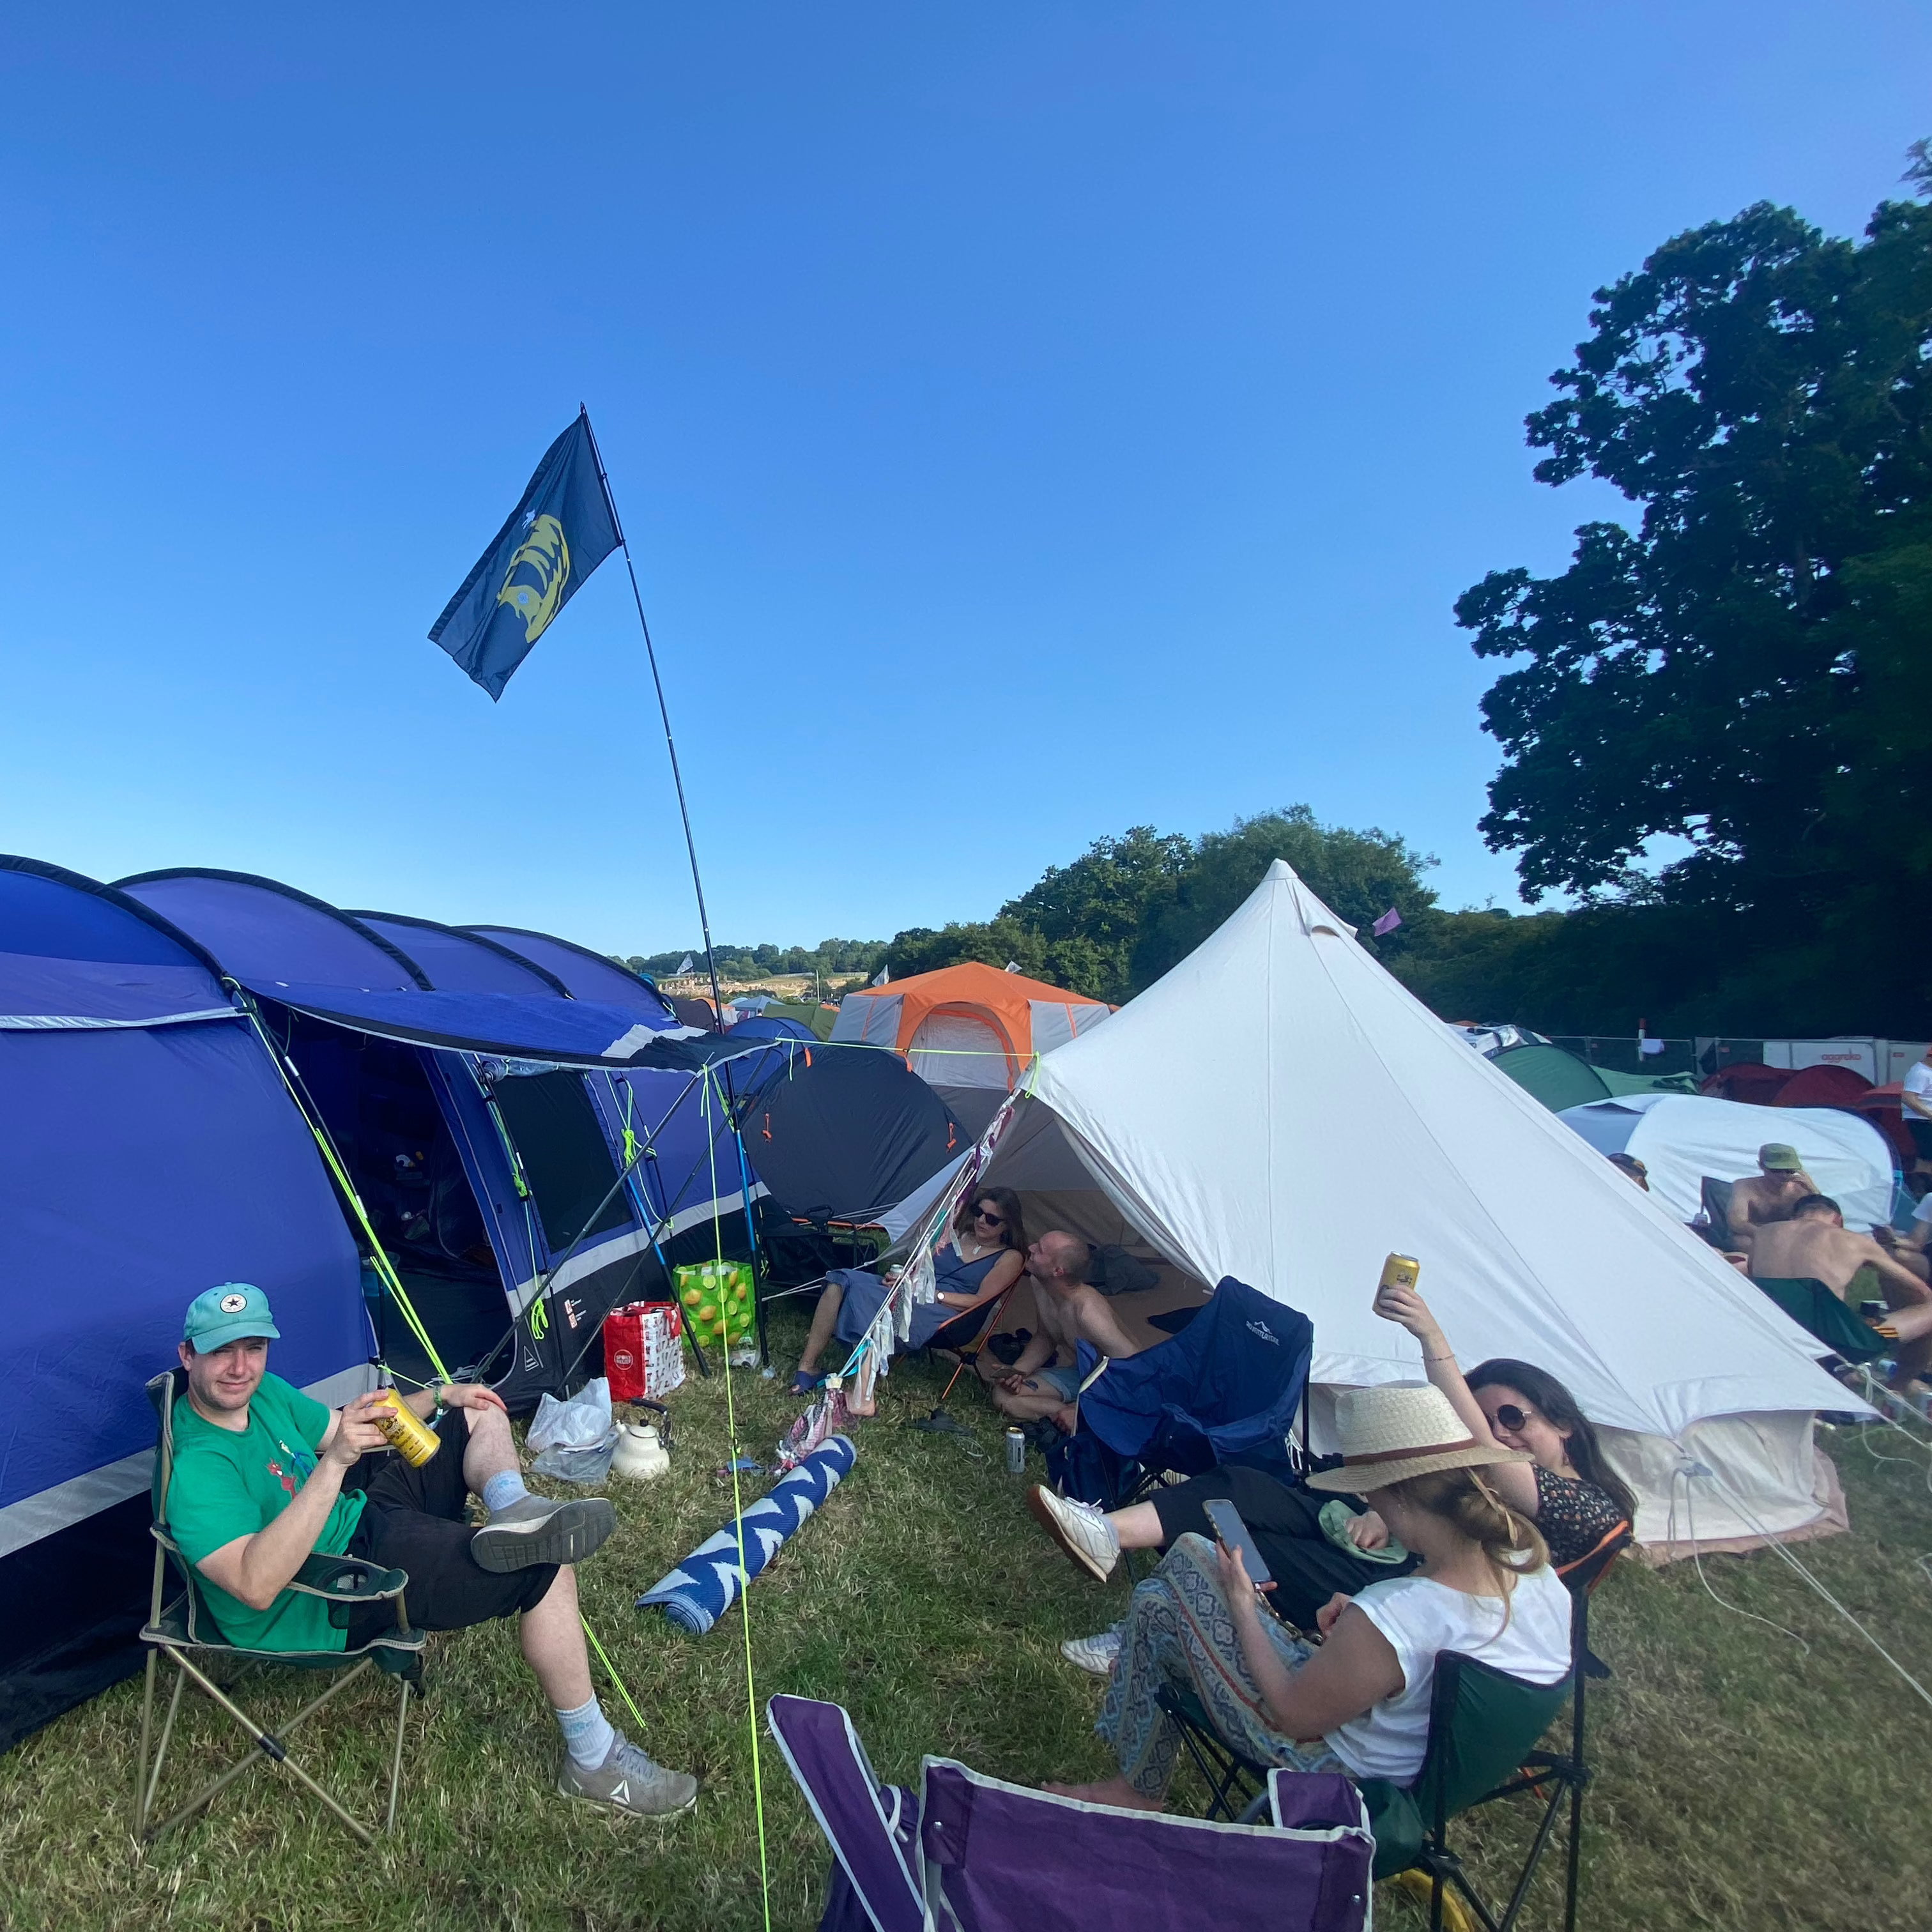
(697, 882)
(663, 713)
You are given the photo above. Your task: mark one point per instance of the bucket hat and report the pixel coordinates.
(1399, 1430)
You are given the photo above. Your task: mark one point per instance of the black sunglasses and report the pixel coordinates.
(1509, 1416)
(987, 1215)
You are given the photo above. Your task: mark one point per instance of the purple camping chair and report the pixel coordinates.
(974, 1854)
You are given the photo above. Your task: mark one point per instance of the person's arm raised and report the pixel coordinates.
(257, 1569)
(1515, 1482)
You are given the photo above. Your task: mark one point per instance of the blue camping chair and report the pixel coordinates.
(1224, 1390)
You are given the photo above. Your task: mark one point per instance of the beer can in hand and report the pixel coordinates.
(408, 1435)
(1398, 1271)
(1016, 1452)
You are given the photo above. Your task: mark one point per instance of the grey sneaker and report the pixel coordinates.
(629, 1782)
(1083, 1531)
(1096, 1654)
(537, 1529)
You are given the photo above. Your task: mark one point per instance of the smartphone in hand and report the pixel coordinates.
(1234, 1532)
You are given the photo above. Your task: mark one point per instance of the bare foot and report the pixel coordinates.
(1116, 1792)
(1065, 1418)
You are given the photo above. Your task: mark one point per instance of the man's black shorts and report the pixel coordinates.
(414, 1521)
(1920, 1128)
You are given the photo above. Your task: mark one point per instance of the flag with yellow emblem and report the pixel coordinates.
(563, 529)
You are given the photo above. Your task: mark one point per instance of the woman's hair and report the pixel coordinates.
(1464, 1497)
(1558, 1408)
(1013, 1235)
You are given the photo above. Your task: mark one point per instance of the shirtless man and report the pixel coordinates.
(1046, 1378)
(1768, 1195)
(1815, 1245)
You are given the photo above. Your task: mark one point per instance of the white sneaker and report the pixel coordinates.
(1083, 1531)
(1096, 1654)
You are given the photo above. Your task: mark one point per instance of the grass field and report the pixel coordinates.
(1747, 1779)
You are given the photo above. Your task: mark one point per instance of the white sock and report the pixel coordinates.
(587, 1734)
(502, 1489)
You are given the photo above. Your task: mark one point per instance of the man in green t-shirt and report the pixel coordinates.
(265, 1477)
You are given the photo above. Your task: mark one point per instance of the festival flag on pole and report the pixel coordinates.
(1388, 923)
(689, 965)
(563, 529)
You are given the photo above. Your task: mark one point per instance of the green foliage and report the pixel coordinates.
(1738, 673)
(1119, 915)
(829, 956)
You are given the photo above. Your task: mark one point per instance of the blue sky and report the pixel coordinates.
(1029, 420)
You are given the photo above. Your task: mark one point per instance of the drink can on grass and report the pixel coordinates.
(412, 1438)
(1015, 1452)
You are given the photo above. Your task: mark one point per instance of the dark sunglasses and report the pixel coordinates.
(988, 1215)
(1509, 1416)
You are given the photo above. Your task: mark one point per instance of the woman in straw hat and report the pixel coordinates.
(1359, 1702)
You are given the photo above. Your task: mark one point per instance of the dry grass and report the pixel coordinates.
(1743, 1782)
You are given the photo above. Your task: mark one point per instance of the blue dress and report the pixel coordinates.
(865, 1295)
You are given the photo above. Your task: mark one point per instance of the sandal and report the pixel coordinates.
(804, 1382)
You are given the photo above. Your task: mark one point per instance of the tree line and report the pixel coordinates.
(1711, 722)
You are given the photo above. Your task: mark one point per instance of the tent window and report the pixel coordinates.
(566, 1159)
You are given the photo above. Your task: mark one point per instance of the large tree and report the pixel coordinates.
(1745, 670)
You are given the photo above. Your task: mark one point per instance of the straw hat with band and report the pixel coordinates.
(1399, 1430)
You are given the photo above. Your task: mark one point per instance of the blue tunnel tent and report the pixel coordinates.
(485, 1118)
(591, 976)
(147, 1151)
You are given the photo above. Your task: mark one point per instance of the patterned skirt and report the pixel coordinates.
(1180, 1630)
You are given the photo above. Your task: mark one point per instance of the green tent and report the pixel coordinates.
(1557, 1078)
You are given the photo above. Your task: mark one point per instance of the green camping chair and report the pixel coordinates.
(182, 1630)
(1484, 1728)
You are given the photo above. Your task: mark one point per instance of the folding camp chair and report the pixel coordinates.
(182, 1630)
(978, 1855)
(1484, 1727)
(1224, 1390)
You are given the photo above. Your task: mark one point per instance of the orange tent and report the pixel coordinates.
(967, 1026)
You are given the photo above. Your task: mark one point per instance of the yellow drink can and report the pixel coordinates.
(408, 1435)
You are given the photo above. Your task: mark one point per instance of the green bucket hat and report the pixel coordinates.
(1779, 1157)
(237, 1311)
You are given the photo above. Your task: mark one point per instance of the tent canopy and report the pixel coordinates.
(1332, 1119)
(1682, 1138)
(583, 974)
(845, 1134)
(463, 962)
(147, 1152)
(970, 1025)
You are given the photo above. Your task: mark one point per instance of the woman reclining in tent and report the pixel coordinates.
(1317, 1546)
(1359, 1703)
(980, 1258)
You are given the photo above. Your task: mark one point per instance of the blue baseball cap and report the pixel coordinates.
(235, 1311)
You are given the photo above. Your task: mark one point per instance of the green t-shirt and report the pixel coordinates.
(229, 1483)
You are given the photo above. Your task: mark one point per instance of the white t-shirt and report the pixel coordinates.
(1421, 1618)
(1918, 1080)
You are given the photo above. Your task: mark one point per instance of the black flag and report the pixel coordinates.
(563, 529)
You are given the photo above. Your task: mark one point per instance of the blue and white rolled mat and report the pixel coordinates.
(707, 1583)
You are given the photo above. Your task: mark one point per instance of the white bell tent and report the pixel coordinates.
(1325, 1118)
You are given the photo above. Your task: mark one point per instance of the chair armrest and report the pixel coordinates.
(348, 1580)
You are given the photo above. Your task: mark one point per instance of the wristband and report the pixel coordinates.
(436, 1396)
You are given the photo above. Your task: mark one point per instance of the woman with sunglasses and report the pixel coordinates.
(979, 1259)
(1567, 1489)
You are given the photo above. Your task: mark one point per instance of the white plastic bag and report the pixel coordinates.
(575, 1439)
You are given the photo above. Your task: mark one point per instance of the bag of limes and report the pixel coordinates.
(716, 1297)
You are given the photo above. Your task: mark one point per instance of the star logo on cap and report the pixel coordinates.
(233, 1304)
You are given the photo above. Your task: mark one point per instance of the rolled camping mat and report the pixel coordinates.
(707, 1583)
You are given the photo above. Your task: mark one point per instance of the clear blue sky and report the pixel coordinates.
(1030, 420)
